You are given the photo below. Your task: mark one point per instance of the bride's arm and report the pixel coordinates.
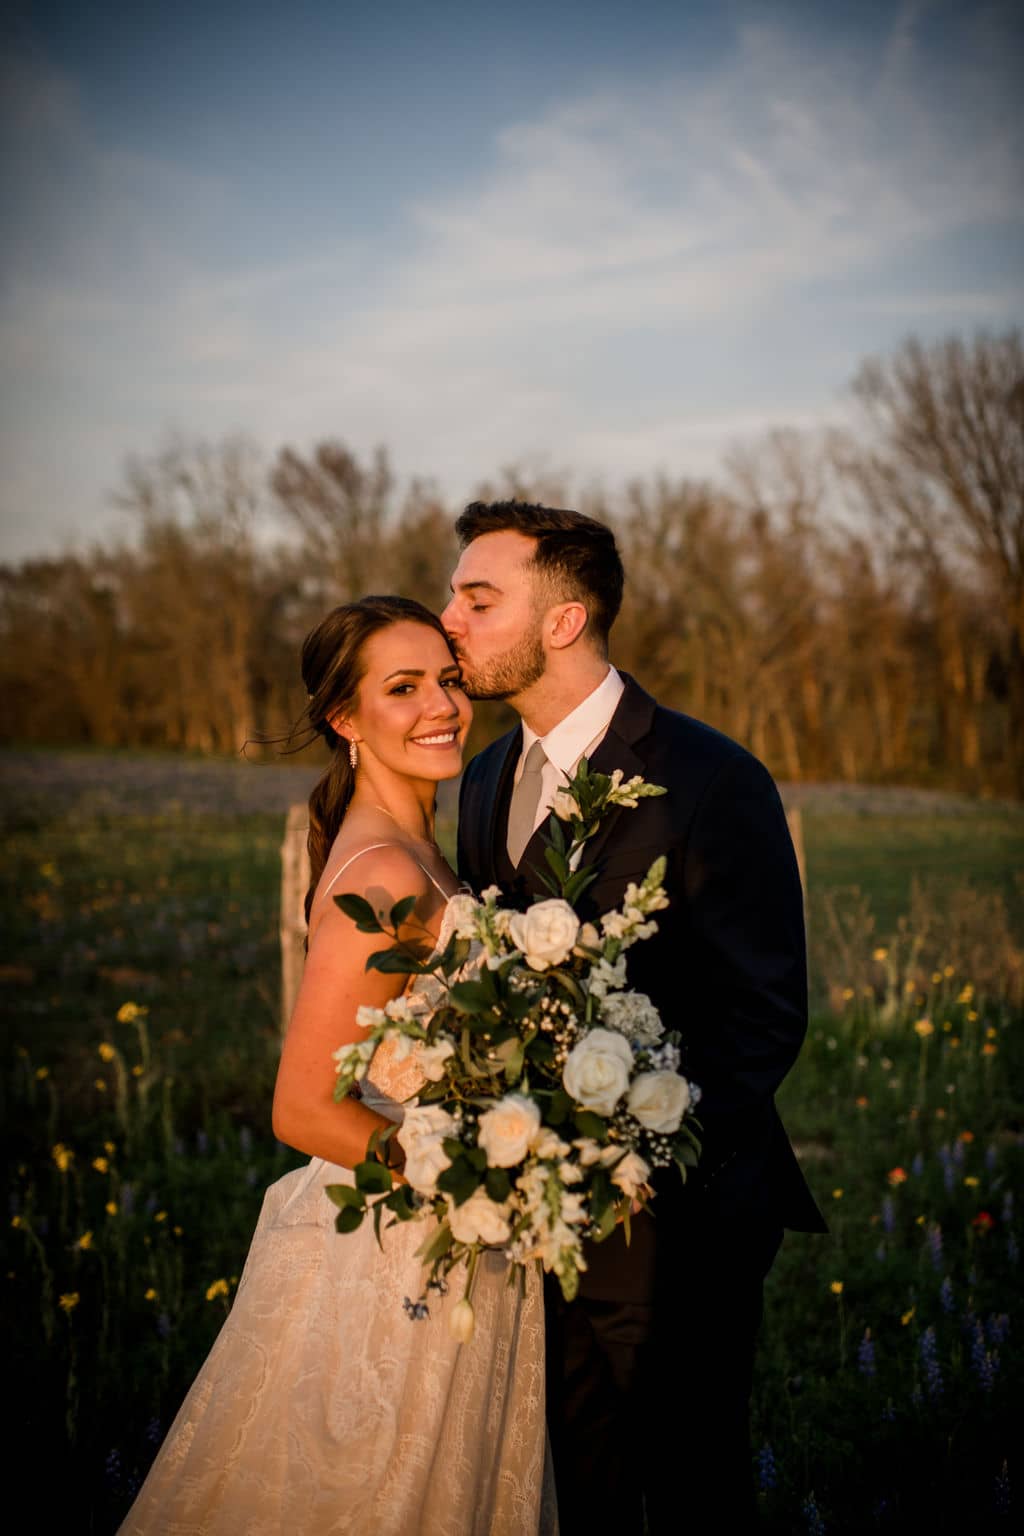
(335, 983)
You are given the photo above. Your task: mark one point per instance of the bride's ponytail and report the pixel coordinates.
(332, 669)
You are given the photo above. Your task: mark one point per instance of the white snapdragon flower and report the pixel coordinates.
(634, 1016)
(659, 1100)
(507, 1131)
(587, 938)
(463, 910)
(354, 1058)
(605, 977)
(545, 933)
(480, 1219)
(370, 1018)
(431, 1058)
(597, 1070)
(630, 1174)
(550, 1145)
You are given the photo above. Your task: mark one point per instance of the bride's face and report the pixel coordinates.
(411, 714)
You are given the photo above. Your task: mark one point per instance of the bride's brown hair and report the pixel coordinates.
(332, 669)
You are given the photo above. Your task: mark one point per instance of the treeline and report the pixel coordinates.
(850, 605)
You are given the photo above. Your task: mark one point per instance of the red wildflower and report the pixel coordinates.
(983, 1221)
(897, 1176)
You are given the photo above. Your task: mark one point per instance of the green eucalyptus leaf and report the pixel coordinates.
(472, 996)
(373, 1177)
(360, 911)
(590, 1124)
(561, 1103)
(459, 1181)
(498, 1184)
(401, 909)
(345, 1195)
(394, 962)
(348, 1219)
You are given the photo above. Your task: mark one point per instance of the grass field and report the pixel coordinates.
(141, 985)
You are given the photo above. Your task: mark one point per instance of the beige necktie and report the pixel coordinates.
(522, 813)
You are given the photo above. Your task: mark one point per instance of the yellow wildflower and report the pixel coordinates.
(836, 1287)
(15, 1221)
(160, 1216)
(906, 1316)
(837, 1194)
(919, 1221)
(101, 1165)
(111, 1207)
(106, 1051)
(988, 1049)
(971, 1181)
(84, 1242)
(136, 1071)
(880, 954)
(150, 1295)
(924, 1028)
(972, 1017)
(908, 986)
(218, 1288)
(936, 978)
(69, 1301)
(129, 1012)
(177, 1231)
(109, 1148)
(954, 1042)
(966, 994)
(42, 1073)
(99, 1085)
(948, 971)
(947, 1025)
(63, 1156)
(847, 994)
(991, 1032)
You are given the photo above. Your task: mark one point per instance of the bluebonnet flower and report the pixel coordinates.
(813, 1517)
(949, 1178)
(112, 1469)
(127, 1199)
(153, 1432)
(767, 1474)
(866, 1354)
(959, 1153)
(984, 1361)
(946, 1297)
(917, 1166)
(164, 1325)
(935, 1245)
(888, 1214)
(930, 1361)
(202, 1143)
(997, 1328)
(1008, 1206)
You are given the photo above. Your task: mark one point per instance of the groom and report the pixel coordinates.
(649, 1369)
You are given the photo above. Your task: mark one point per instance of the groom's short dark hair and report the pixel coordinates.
(575, 552)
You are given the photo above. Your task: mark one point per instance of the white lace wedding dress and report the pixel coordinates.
(324, 1409)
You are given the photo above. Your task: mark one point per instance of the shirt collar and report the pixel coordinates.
(567, 741)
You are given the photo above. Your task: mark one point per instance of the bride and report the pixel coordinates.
(326, 1406)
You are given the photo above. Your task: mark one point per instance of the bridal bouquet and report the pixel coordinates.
(551, 1090)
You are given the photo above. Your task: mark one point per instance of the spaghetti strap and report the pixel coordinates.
(370, 847)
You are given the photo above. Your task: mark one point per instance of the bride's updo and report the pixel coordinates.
(332, 670)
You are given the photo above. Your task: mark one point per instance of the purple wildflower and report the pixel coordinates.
(1008, 1206)
(959, 1153)
(1001, 1494)
(112, 1470)
(991, 1157)
(164, 1325)
(153, 1432)
(888, 1214)
(997, 1328)
(813, 1517)
(984, 1361)
(767, 1473)
(930, 1362)
(881, 1253)
(946, 1297)
(202, 1143)
(949, 1178)
(917, 1166)
(934, 1240)
(866, 1354)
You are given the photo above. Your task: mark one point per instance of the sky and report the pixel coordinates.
(595, 240)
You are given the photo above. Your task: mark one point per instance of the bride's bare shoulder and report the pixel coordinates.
(382, 873)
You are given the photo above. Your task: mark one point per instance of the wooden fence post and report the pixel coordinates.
(294, 884)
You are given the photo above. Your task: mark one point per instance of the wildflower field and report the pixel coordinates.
(140, 978)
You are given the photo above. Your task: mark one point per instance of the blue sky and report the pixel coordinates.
(599, 238)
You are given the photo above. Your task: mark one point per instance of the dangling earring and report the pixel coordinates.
(353, 755)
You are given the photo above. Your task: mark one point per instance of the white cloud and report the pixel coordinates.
(642, 273)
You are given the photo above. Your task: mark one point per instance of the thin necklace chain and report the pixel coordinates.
(431, 843)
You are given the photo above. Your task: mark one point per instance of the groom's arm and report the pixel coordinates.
(745, 903)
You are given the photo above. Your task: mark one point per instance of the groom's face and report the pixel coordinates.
(495, 617)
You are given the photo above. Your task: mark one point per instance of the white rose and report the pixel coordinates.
(479, 1219)
(507, 1130)
(431, 1058)
(630, 1175)
(463, 915)
(596, 1072)
(659, 1100)
(422, 1131)
(546, 933)
(564, 805)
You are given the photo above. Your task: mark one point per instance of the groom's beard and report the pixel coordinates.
(505, 676)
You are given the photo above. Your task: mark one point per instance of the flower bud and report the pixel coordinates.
(461, 1322)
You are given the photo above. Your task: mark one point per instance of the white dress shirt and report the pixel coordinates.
(578, 735)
